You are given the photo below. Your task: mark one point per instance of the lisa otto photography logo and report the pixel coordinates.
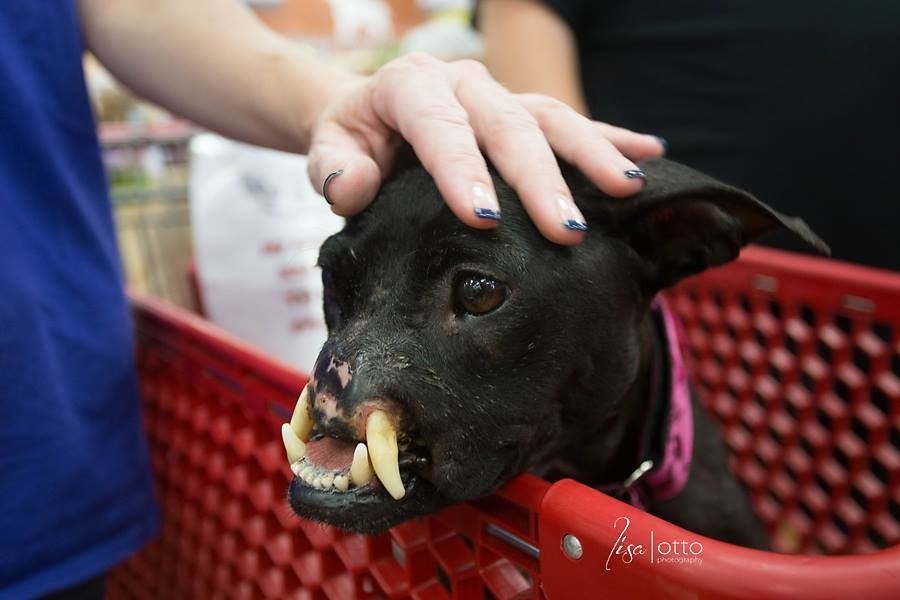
(675, 551)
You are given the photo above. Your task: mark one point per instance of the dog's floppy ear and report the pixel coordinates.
(684, 222)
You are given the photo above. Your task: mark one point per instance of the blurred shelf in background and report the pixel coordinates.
(148, 171)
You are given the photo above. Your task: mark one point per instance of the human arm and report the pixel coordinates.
(213, 62)
(530, 48)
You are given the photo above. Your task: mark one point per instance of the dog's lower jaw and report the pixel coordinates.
(365, 512)
(370, 509)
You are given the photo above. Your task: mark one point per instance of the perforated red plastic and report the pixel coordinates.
(799, 358)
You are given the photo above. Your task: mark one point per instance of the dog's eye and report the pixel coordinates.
(479, 294)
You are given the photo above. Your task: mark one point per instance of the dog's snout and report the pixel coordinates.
(344, 392)
(341, 419)
(368, 358)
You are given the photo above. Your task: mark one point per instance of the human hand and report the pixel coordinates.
(449, 112)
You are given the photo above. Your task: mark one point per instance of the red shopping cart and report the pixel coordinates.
(798, 358)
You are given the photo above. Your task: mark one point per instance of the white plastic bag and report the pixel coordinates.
(257, 226)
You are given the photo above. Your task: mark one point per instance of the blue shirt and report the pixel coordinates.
(75, 483)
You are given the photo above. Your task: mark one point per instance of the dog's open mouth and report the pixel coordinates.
(369, 459)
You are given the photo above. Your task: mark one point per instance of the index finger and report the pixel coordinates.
(523, 156)
(423, 107)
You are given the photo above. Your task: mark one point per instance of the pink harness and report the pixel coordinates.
(665, 480)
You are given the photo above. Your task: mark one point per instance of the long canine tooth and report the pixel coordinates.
(381, 438)
(361, 470)
(301, 422)
(293, 446)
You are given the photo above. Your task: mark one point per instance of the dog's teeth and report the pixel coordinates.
(309, 476)
(361, 470)
(381, 438)
(317, 482)
(293, 446)
(304, 472)
(297, 468)
(326, 481)
(341, 483)
(301, 422)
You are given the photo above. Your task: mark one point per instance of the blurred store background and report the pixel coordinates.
(242, 224)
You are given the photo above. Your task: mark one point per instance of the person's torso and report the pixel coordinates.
(74, 473)
(794, 101)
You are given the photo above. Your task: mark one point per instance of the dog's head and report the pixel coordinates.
(460, 357)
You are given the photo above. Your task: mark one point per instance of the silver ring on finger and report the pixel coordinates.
(327, 181)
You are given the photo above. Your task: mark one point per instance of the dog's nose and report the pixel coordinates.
(341, 400)
(333, 371)
(329, 384)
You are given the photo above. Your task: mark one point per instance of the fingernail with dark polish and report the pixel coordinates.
(485, 203)
(487, 213)
(571, 216)
(575, 225)
(663, 142)
(635, 174)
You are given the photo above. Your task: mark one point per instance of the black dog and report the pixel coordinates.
(463, 357)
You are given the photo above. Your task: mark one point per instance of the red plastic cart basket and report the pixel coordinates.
(798, 358)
